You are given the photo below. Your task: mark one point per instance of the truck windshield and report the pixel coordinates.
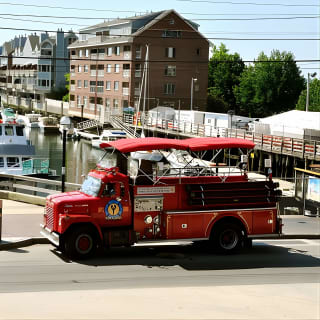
(91, 186)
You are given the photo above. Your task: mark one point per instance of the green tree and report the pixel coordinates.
(66, 96)
(314, 97)
(224, 73)
(271, 85)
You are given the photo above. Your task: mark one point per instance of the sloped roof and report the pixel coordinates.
(34, 41)
(120, 21)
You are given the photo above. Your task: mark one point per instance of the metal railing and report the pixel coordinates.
(33, 186)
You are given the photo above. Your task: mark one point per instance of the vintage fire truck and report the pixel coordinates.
(153, 189)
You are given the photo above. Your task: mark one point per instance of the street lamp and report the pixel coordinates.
(192, 80)
(230, 114)
(312, 75)
(65, 124)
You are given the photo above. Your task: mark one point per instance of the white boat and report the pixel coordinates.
(30, 120)
(17, 153)
(49, 124)
(8, 115)
(108, 135)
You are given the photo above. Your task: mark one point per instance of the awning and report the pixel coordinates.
(193, 144)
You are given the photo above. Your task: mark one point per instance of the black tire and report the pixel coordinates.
(227, 238)
(80, 243)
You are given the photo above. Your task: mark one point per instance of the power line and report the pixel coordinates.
(194, 19)
(184, 38)
(158, 61)
(252, 3)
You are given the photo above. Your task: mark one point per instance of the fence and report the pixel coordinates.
(302, 148)
(33, 186)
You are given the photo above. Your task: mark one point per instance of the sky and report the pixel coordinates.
(217, 19)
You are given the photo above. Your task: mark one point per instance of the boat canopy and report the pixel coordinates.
(192, 144)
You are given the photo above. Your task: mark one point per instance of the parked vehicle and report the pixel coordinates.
(118, 206)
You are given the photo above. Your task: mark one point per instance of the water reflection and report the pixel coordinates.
(80, 156)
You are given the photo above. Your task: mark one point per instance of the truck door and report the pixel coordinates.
(114, 205)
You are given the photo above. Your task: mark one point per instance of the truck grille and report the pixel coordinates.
(49, 214)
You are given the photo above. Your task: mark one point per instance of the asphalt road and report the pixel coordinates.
(274, 280)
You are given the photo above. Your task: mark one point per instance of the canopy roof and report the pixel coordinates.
(193, 144)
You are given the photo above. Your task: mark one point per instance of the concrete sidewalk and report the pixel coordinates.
(20, 225)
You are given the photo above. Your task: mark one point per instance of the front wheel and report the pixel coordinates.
(81, 243)
(227, 238)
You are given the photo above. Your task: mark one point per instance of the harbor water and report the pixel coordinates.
(81, 157)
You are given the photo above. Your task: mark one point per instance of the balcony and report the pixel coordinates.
(100, 55)
(18, 86)
(125, 91)
(94, 56)
(100, 73)
(127, 55)
(137, 74)
(126, 73)
(93, 73)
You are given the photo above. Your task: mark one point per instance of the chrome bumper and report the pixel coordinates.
(52, 236)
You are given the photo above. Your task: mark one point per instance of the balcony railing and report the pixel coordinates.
(93, 73)
(125, 91)
(100, 73)
(137, 73)
(127, 55)
(126, 73)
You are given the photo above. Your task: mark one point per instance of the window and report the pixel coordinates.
(1, 162)
(93, 51)
(85, 101)
(92, 86)
(138, 52)
(170, 52)
(170, 71)
(79, 68)
(198, 51)
(109, 68)
(116, 85)
(117, 51)
(71, 97)
(87, 52)
(13, 162)
(108, 85)
(80, 53)
(8, 130)
(79, 83)
(101, 50)
(44, 68)
(100, 86)
(109, 51)
(171, 34)
(137, 72)
(115, 103)
(126, 48)
(86, 68)
(169, 88)
(85, 83)
(107, 103)
(79, 101)
(117, 68)
(73, 52)
(19, 131)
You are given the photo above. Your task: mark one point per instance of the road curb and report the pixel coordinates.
(31, 241)
(22, 243)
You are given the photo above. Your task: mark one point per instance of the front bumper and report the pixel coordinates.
(52, 236)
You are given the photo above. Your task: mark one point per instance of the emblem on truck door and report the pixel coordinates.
(113, 210)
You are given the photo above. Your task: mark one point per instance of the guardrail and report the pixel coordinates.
(33, 186)
(302, 148)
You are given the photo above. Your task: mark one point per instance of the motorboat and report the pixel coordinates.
(30, 120)
(49, 124)
(107, 136)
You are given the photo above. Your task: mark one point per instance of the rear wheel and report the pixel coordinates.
(227, 238)
(81, 243)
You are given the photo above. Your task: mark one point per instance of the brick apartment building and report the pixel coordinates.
(107, 62)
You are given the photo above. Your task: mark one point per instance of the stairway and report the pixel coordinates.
(87, 124)
(116, 122)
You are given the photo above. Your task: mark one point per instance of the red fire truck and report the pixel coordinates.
(153, 189)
